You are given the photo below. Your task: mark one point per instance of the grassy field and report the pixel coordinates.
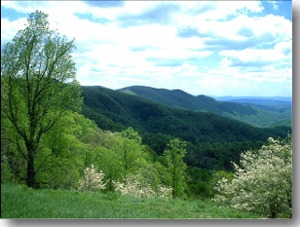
(18, 201)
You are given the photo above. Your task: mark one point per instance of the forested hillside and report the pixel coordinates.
(259, 114)
(214, 141)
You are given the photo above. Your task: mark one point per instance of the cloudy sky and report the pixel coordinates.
(238, 48)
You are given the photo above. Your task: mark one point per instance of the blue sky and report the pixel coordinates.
(238, 48)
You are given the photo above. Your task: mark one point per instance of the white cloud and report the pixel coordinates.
(274, 4)
(233, 81)
(281, 52)
(115, 55)
(10, 28)
(227, 8)
(250, 55)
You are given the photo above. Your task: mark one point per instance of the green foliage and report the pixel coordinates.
(198, 182)
(110, 161)
(262, 182)
(131, 150)
(174, 156)
(6, 173)
(261, 113)
(60, 159)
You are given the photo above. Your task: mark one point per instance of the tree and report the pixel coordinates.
(263, 181)
(111, 164)
(174, 154)
(38, 84)
(132, 149)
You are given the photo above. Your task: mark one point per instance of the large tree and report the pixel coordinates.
(38, 85)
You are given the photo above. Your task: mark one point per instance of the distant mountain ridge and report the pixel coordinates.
(258, 113)
(265, 103)
(253, 98)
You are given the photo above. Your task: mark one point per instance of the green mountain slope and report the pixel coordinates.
(114, 110)
(259, 115)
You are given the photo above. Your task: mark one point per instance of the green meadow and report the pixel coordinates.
(19, 201)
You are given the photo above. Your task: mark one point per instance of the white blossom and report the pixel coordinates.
(134, 187)
(263, 181)
(92, 180)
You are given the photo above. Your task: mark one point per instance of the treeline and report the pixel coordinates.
(76, 143)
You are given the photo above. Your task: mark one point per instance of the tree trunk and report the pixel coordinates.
(30, 167)
(30, 172)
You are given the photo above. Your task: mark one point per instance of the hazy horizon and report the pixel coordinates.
(210, 95)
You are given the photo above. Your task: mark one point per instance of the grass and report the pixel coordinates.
(18, 201)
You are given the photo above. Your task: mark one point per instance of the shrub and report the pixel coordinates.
(263, 181)
(134, 187)
(92, 180)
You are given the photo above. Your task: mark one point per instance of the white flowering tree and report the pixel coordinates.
(262, 182)
(135, 187)
(92, 180)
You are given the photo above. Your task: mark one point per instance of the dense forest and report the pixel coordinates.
(258, 112)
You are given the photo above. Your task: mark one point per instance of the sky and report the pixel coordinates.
(219, 48)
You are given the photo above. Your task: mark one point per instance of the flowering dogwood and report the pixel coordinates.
(263, 181)
(134, 187)
(92, 180)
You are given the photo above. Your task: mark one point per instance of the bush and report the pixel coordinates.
(92, 180)
(262, 183)
(134, 187)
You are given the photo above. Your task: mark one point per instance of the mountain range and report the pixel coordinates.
(214, 141)
(256, 111)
